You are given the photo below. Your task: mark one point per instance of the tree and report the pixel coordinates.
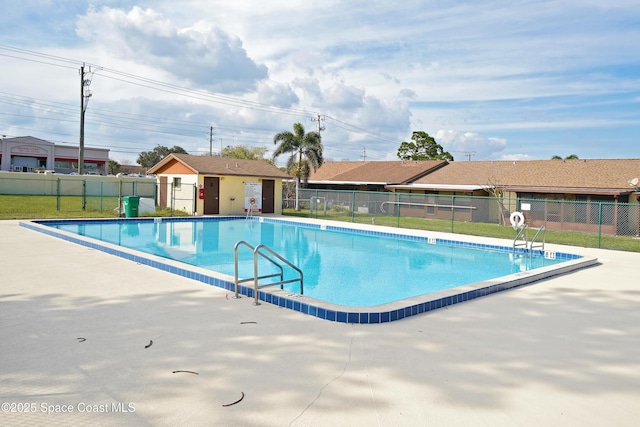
(422, 147)
(243, 152)
(305, 150)
(114, 167)
(569, 157)
(151, 158)
(497, 191)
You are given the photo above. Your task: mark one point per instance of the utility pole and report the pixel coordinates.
(85, 94)
(469, 154)
(320, 120)
(364, 154)
(211, 141)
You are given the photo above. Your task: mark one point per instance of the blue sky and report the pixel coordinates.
(489, 80)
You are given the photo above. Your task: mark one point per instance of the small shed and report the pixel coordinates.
(204, 185)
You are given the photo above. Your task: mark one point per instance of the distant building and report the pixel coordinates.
(29, 154)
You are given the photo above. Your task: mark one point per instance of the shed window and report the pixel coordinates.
(177, 182)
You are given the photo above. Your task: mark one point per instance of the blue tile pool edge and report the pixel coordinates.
(384, 313)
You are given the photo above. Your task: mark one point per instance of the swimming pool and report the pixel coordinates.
(360, 275)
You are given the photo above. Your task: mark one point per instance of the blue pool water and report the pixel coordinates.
(340, 266)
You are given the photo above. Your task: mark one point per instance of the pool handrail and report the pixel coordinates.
(235, 261)
(540, 245)
(257, 252)
(529, 245)
(522, 233)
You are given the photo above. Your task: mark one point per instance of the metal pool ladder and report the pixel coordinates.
(259, 251)
(523, 233)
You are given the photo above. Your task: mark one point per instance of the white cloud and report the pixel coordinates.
(309, 88)
(277, 94)
(535, 71)
(470, 142)
(342, 96)
(407, 93)
(201, 54)
(515, 157)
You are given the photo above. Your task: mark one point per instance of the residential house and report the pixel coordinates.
(557, 192)
(370, 175)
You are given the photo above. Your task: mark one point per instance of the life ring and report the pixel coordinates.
(517, 220)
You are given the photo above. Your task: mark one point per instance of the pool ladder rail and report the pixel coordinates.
(259, 251)
(522, 239)
(252, 205)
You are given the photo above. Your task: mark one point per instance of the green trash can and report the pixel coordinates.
(131, 204)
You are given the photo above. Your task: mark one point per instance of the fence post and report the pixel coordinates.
(173, 198)
(315, 204)
(120, 197)
(84, 194)
(453, 211)
(58, 194)
(353, 206)
(398, 209)
(599, 222)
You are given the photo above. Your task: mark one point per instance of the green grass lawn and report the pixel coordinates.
(47, 207)
(571, 238)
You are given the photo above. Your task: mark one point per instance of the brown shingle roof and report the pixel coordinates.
(386, 172)
(589, 174)
(206, 165)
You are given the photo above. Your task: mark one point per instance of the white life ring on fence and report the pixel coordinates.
(517, 220)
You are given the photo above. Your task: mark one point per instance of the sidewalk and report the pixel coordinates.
(95, 340)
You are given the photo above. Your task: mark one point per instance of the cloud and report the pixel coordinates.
(309, 88)
(531, 72)
(391, 78)
(202, 54)
(407, 93)
(515, 157)
(470, 142)
(344, 97)
(277, 94)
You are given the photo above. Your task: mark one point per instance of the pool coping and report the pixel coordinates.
(383, 313)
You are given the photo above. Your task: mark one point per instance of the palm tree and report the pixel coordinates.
(305, 150)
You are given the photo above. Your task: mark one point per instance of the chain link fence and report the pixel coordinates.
(455, 213)
(69, 193)
(180, 197)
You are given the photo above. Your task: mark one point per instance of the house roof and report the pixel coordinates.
(206, 165)
(373, 172)
(606, 176)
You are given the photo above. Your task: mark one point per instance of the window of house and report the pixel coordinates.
(177, 182)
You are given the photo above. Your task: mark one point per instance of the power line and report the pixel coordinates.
(127, 122)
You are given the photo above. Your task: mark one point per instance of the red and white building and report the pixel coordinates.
(29, 154)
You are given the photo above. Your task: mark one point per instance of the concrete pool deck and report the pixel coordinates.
(564, 351)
